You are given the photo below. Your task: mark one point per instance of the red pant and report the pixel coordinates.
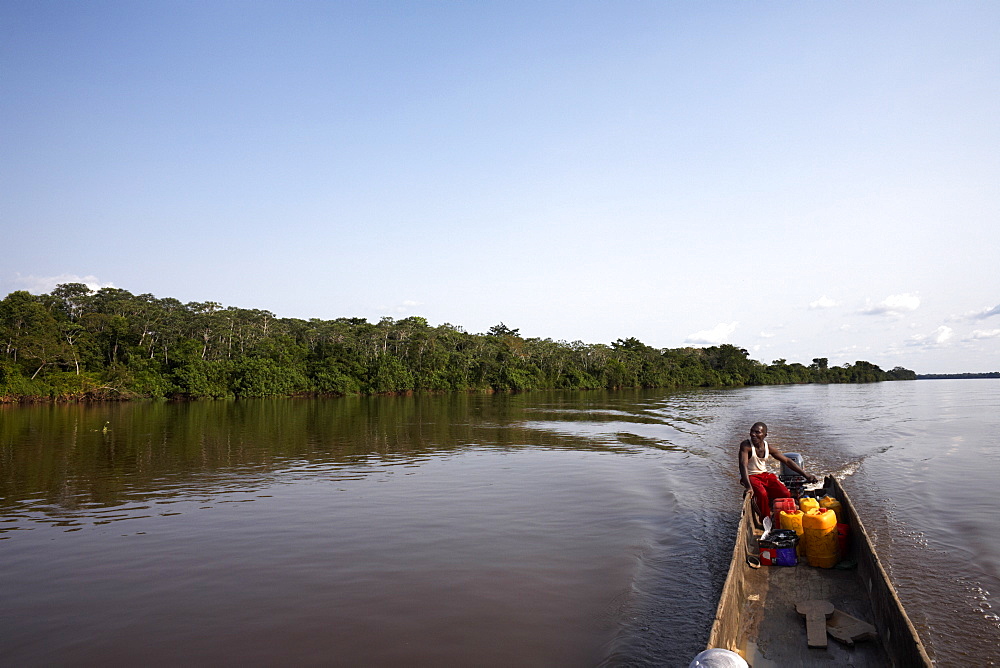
(767, 487)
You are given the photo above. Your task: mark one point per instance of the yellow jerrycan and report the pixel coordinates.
(820, 528)
(807, 503)
(792, 520)
(834, 505)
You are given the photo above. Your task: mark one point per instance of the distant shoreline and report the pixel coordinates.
(76, 344)
(938, 376)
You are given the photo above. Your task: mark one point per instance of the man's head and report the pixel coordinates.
(758, 432)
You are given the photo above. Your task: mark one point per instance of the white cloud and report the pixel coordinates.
(986, 334)
(767, 335)
(718, 334)
(942, 334)
(850, 352)
(406, 306)
(44, 284)
(937, 338)
(823, 302)
(893, 305)
(982, 314)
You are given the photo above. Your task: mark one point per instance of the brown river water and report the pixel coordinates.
(539, 529)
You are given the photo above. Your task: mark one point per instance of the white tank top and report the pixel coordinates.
(757, 464)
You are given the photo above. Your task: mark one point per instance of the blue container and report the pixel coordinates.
(785, 552)
(786, 556)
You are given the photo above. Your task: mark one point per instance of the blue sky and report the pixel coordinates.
(799, 179)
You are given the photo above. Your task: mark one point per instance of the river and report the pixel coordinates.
(538, 529)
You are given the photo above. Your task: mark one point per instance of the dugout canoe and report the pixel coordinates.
(756, 614)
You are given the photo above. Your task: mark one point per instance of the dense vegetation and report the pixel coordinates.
(932, 376)
(110, 344)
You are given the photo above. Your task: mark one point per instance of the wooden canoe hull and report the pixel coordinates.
(756, 615)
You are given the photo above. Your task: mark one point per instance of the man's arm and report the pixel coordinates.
(744, 455)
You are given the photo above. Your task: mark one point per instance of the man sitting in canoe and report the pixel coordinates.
(754, 474)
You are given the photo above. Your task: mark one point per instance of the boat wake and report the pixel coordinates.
(850, 468)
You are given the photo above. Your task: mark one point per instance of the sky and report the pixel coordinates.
(800, 179)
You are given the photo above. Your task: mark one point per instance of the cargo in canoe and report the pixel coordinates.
(757, 618)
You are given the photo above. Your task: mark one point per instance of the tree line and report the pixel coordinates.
(960, 376)
(78, 344)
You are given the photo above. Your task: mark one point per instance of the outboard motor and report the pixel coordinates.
(795, 457)
(789, 478)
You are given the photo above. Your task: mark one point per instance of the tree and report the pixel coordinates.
(732, 363)
(72, 299)
(30, 332)
(502, 330)
(900, 373)
(819, 363)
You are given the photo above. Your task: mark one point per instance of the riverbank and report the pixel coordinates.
(78, 345)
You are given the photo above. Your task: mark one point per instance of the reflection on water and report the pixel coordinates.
(70, 459)
(576, 529)
(494, 530)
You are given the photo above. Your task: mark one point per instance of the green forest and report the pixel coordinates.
(109, 344)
